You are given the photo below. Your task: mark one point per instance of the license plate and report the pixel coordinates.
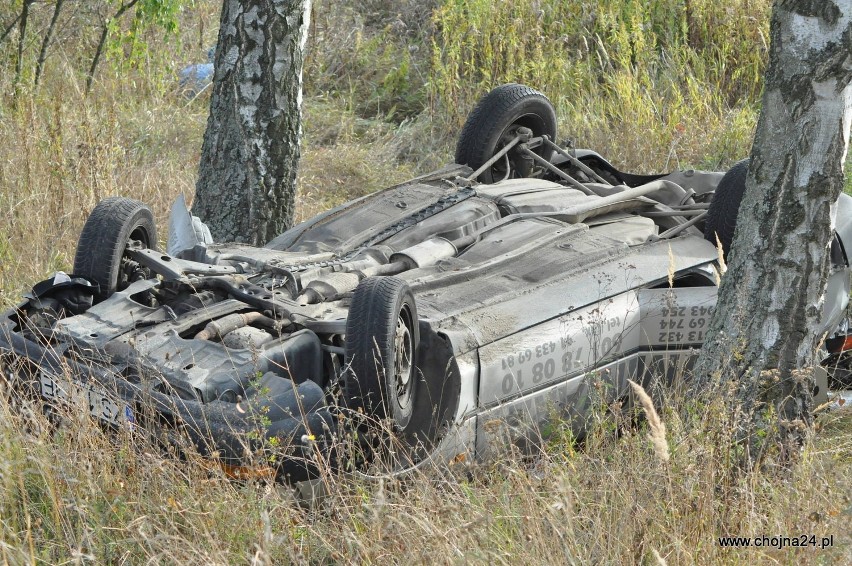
(75, 393)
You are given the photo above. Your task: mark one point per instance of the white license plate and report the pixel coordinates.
(74, 393)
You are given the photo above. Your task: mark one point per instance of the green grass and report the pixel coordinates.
(653, 85)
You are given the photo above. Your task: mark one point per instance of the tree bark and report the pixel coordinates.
(770, 301)
(9, 28)
(45, 44)
(246, 183)
(102, 42)
(22, 37)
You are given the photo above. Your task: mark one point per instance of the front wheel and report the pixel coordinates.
(113, 225)
(382, 336)
(495, 121)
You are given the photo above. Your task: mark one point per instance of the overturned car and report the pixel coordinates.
(528, 280)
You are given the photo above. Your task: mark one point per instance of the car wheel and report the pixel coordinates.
(112, 226)
(495, 121)
(381, 344)
(722, 216)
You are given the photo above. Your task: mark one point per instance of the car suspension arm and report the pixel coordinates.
(503, 151)
(681, 227)
(555, 170)
(576, 162)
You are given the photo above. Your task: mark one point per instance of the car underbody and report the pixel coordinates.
(409, 321)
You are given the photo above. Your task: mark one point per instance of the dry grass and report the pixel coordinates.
(657, 433)
(79, 495)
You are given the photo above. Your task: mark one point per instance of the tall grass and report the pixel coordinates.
(80, 495)
(650, 84)
(136, 135)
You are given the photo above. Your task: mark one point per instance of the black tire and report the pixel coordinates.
(382, 334)
(113, 223)
(722, 215)
(491, 124)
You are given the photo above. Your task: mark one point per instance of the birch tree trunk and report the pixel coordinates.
(770, 300)
(246, 183)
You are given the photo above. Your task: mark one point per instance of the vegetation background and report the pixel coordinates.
(651, 84)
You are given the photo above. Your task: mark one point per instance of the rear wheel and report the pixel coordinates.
(113, 226)
(381, 344)
(495, 121)
(722, 216)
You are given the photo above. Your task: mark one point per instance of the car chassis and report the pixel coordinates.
(435, 320)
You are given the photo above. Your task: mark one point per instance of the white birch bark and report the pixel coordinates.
(771, 298)
(246, 183)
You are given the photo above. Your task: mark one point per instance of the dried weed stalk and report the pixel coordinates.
(658, 428)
